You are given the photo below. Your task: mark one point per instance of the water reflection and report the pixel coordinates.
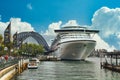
(69, 70)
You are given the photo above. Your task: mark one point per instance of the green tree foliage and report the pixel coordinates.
(2, 52)
(1, 45)
(1, 38)
(31, 49)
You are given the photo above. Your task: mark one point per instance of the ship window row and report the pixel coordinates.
(75, 36)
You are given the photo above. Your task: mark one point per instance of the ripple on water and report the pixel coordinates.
(69, 70)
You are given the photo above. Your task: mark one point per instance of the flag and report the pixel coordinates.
(7, 34)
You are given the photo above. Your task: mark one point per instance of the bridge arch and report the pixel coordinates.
(20, 37)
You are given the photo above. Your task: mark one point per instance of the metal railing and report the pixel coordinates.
(5, 64)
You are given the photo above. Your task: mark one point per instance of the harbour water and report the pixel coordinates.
(69, 70)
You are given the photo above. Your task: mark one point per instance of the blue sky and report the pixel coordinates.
(41, 13)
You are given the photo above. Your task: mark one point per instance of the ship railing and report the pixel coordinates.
(70, 39)
(76, 37)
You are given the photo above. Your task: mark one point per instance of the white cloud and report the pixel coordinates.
(16, 26)
(107, 21)
(2, 27)
(117, 34)
(29, 6)
(101, 44)
(49, 34)
(52, 27)
(71, 23)
(57, 25)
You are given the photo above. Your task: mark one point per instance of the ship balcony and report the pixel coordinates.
(74, 39)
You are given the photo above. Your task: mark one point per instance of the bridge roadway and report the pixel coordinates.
(18, 39)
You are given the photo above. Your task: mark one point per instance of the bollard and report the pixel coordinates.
(101, 65)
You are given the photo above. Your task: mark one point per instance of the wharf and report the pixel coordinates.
(111, 67)
(9, 72)
(16, 69)
(114, 63)
(48, 58)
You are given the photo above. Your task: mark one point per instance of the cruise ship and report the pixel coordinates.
(73, 43)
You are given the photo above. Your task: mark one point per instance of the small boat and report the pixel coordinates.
(33, 64)
(37, 60)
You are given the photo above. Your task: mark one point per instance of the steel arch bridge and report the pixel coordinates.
(24, 35)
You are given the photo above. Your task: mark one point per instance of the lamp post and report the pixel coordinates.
(11, 50)
(5, 49)
(6, 56)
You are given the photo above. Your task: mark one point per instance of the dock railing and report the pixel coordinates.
(4, 64)
(113, 63)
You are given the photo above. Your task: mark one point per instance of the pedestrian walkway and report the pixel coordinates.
(9, 75)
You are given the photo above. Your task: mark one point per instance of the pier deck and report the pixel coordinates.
(111, 66)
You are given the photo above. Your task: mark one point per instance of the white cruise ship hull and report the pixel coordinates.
(75, 50)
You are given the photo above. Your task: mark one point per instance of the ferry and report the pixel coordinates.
(37, 60)
(73, 43)
(33, 64)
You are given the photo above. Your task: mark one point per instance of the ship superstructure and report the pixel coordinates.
(73, 43)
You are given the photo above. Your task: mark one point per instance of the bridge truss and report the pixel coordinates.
(18, 39)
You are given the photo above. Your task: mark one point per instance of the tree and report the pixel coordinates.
(1, 45)
(31, 49)
(1, 38)
(9, 46)
(2, 52)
